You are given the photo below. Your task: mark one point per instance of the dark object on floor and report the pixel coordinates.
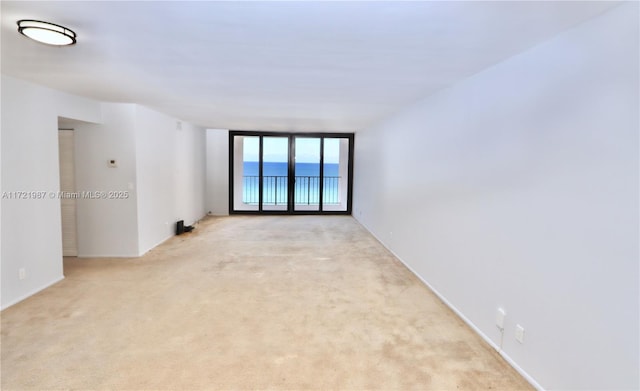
(181, 228)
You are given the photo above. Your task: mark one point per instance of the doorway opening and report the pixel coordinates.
(289, 173)
(68, 207)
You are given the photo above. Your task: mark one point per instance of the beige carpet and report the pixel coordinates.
(276, 302)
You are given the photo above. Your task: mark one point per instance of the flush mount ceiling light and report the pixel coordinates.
(45, 32)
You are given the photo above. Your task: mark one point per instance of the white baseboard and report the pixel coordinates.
(31, 293)
(521, 371)
(161, 241)
(485, 337)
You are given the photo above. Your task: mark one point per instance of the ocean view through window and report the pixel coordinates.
(289, 173)
(275, 177)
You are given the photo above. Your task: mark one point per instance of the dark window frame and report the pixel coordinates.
(291, 172)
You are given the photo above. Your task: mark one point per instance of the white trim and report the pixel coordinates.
(28, 295)
(521, 371)
(486, 338)
(143, 253)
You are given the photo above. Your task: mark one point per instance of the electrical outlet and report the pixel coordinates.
(22, 273)
(500, 318)
(519, 333)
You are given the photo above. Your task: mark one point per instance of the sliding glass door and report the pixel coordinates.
(275, 173)
(307, 174)
(290, 173)
(246, 166)
(336, 163)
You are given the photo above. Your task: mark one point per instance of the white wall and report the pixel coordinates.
(518, 188)
(159, 147)
(31, 228)
(107, 227)
(190, 178)
(155, 152)
(1, 190)
(162, 168)
(217, 194)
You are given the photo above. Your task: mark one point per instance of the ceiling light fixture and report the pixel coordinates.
(45, 32)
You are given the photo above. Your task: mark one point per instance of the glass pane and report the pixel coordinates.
(275, 173)
(335, 183)
(245, 171)
(307, 169)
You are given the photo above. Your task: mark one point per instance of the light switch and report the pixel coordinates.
(519, 333)
(500, 318)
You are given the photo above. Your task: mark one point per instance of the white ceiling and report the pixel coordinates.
(321, 66)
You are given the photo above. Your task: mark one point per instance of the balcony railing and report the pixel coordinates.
(306, 190)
